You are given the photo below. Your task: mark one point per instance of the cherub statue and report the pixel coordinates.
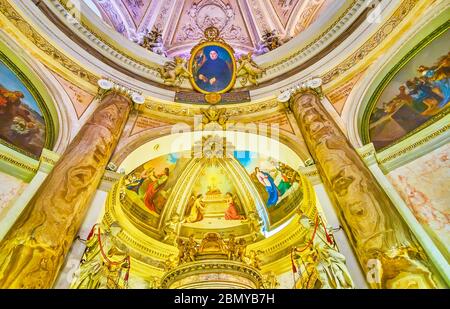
(253, 259)
(171, 262)
(248, 70)
(153, 41)
(170, 228)
(175, 71)
(231, 247)
(240, 250)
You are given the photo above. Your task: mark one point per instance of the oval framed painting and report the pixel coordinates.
(213, 67)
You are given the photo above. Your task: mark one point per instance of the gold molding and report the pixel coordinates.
(44, 45)
(411, 147)
(13, 161)
(372, 43)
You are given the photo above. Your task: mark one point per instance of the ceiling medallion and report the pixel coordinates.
(211, 33)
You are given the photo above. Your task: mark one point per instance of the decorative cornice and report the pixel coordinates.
(40, 42)
(149, 70)
(374, 41)
(222, 266)
(414, 145)
(22, 165)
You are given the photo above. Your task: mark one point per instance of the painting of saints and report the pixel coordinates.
(21, 121)
(137, 181)
(267, 181)
(284, 183)
(415, 95)
(157, 182)
(212, 69)
(232, 212)
(196, 211)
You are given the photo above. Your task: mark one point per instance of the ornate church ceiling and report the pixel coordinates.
(242, 22)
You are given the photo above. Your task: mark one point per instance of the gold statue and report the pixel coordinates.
(248, 70)
(270, 281)
(231, 247)
(170, 230)
(255, 225)
(253, 260)
(175, 71)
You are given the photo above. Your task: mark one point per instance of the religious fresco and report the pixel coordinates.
(22, 125)
(417, 93)
(214, 198)
(278, 184)
(416, 184)
(150, 184)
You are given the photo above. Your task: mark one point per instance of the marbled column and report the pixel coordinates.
(34, 249)
(387, 251)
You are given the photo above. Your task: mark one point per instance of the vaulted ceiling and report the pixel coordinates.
(241, 22)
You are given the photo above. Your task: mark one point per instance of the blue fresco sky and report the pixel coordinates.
(9, 80)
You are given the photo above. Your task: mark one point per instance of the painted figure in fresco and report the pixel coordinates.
(136, 181)
(267, 180)
(197, 210)
(232, 212)
(157, 183)
(418, 99)
(213, 74)
(17, 124)
(284, 184)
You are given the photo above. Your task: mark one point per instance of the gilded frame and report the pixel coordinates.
(229, 50)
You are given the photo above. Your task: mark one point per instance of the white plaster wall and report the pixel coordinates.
(10, 188)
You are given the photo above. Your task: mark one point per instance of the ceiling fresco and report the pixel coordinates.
(182, 23)
(207, 194)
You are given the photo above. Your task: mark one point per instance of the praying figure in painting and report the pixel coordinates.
(267, 180)
(212, 74)
(196, 211)
(135, 181)
(154, 186)
(232, 212)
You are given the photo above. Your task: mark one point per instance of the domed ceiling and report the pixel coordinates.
(242, 23)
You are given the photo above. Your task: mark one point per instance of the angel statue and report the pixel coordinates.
(175, 71)
(248, 70)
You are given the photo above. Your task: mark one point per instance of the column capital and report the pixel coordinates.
(368, 154)
(312, 173)
(313, 85)
(108, 86)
